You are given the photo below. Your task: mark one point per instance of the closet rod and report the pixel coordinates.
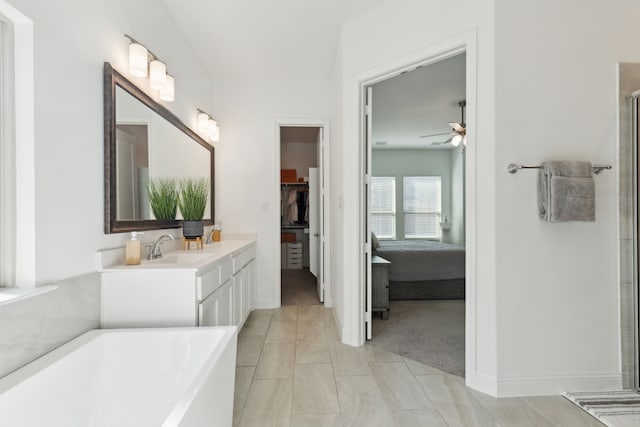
(515, 167)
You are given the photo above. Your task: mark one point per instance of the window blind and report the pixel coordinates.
(383, 206)
(422, 206)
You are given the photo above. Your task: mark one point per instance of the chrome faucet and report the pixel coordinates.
(153, 249)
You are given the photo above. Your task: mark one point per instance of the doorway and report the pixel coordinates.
(303, 196)
(415, 212)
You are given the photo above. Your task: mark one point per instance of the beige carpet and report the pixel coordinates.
(431, 332)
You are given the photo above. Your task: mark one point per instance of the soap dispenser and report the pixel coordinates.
(133, 249)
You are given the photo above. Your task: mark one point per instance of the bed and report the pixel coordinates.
(423, 269)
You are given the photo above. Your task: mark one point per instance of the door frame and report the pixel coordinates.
(325, 206)
(464, 43)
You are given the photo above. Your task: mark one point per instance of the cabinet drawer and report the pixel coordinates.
(294, 251)
(241, 259)
(294, 245)
(294, 258)
(226, 269)
(294, 264)
(251, 254)
(238, 262)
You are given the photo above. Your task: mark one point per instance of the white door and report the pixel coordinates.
(314, 228)
(367, 206)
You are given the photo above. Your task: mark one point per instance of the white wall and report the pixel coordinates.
(401, 163)
(406, 31)
(247, 157)
(557, 292)
(72, 40)
(545, 295)
(299, 156)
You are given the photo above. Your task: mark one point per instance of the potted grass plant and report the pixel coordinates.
(163, 198)
(192, 203)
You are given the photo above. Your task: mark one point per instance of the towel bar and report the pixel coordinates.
(515, 167)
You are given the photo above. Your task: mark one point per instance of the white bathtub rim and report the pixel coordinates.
(23, 373)
(179, 409)
(181, 406)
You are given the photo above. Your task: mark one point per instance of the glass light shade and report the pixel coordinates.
(456, 140)
(167, 92)
(137, 60)
(157, 74)
(203, 123)
(464, 140)
(214, 130)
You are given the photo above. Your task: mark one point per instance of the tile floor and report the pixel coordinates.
(292, 370)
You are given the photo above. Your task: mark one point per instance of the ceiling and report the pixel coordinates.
(299, 135)
(420, 102)
(258, 38)
(297, 39)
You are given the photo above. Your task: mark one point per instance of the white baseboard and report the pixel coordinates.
(542, 385)
(482, 383)
(556, 385)
(267, 303)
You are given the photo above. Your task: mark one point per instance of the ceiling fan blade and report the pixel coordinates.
(457, 127)
(435, 134)
(448, 140)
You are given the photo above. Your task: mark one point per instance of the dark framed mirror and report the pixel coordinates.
(144, 141)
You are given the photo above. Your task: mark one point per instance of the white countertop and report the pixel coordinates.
(112, 260)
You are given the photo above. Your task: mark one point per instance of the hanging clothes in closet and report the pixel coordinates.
(295, 206)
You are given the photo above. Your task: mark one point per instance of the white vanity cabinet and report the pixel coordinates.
(217, 292)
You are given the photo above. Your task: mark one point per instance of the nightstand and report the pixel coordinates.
(380, 285)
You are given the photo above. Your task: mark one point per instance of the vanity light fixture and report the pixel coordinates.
(157, 74)
(208, 126)
(138, 60)
(167, 92)
(139, 66)
(214, 130)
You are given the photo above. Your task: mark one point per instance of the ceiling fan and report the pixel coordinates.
(459, 133)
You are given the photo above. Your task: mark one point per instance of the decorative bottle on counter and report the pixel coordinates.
(133, 249)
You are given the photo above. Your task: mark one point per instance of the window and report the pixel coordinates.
(422, 209)
(6, 163)
(383, 206)
(17, 214)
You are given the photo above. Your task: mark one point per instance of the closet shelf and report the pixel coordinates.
(294, 227)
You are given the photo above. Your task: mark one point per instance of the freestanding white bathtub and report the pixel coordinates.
(127, 377)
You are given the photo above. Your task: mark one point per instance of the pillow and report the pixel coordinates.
(375, 244)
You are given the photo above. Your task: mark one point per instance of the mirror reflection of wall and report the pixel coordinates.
(149, 147)
(132, 171)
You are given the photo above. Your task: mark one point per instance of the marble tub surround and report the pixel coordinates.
(43, 322)
(307, 377)
(628, 82)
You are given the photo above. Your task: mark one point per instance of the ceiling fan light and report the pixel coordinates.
(456, 140)
(464, 140)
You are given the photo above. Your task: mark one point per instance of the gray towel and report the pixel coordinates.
(566, 192)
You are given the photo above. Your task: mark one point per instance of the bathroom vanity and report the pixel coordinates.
(215, 286)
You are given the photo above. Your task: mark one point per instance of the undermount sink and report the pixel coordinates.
(182, 258)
